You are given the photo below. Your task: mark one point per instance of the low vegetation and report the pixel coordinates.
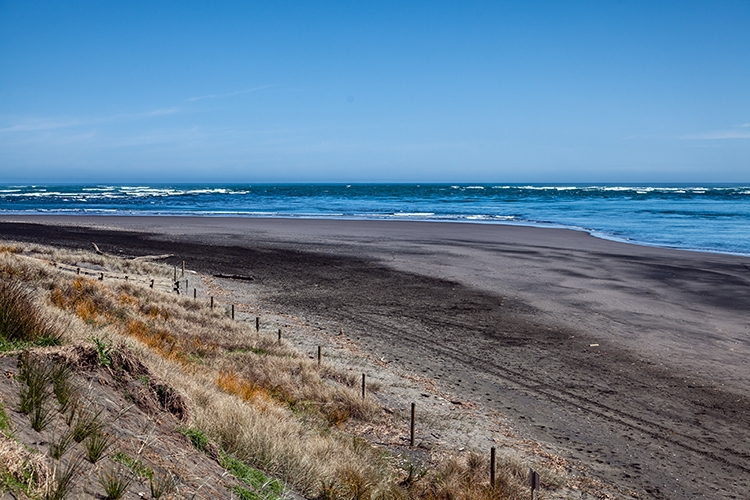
(267, 414)
(22, 323)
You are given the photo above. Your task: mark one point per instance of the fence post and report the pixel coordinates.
(492, 467)
(411, 438)
(533, 481)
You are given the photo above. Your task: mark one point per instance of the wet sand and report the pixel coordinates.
(630, 359)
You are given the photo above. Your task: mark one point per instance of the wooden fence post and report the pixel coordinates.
(492, 467)
(411, 438)
(533, 481)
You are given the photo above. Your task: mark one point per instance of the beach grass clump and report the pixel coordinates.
(97, 443)
(86, 423)
(58, 446)
(62, 479)
(35, 391)
(160, 485)
(22, 321)
(62, 386)
(115, 482)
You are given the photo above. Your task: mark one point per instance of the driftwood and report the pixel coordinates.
(142, 257)
(235, 277)
(153, 257)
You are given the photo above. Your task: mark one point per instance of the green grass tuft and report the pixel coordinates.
(197, 437)
(5, 425)
(263, 488)
(103, 351)
(134, 465)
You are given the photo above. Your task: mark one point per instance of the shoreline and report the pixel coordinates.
(609, 352)
(594, 233)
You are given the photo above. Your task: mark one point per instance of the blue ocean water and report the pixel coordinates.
(713, 218)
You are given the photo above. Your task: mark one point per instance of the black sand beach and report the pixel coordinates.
(630, 359)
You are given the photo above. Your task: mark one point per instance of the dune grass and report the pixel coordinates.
(22, 323)
(263, 405)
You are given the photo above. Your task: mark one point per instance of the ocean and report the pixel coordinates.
(712, 218)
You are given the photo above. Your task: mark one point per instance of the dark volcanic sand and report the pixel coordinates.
(506, 316)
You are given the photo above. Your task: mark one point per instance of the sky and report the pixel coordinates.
(600, 91)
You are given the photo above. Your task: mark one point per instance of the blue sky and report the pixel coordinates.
(374, 91)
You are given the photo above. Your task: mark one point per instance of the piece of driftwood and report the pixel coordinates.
(153, 257)
(96, 249)
(235, 277)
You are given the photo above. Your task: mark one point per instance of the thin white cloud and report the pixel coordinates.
(156, 112)
(230, 94)
(41, 124)
(719, 134)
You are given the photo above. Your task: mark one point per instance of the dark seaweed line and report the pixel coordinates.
(607, 413)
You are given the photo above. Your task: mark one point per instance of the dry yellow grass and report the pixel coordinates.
(25, 467)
